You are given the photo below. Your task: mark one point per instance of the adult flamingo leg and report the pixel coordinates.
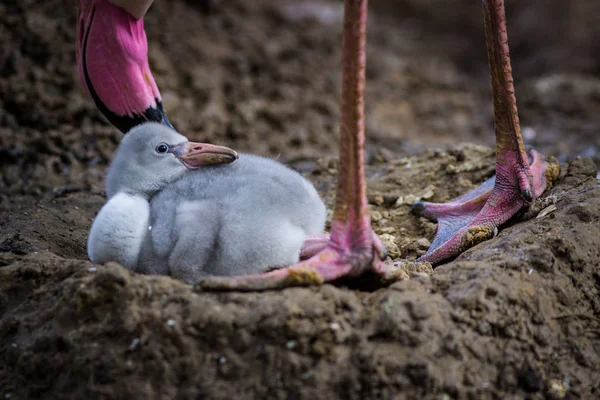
(520, 177)
(112, 60)
(353, 247)
(313, 245)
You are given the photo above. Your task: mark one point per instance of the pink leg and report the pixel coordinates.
(353, 247)
(476, 216)
(313, 244)
(112, 60)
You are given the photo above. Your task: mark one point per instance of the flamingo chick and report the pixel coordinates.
(169, 214)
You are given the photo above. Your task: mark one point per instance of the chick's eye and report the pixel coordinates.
(162, 148)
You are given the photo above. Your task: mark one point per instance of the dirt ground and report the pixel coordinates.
(515, 317)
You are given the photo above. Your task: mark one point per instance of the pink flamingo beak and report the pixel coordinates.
(112, 61)
(195, 155)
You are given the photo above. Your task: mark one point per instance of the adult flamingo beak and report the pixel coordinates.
(195, 155)
(112, 61)
(137, 8)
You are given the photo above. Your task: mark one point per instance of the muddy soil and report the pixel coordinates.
(515, 317)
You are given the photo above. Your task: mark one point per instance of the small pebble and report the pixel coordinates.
(334, 326)
(427, 193)
(557, 389)
(550, 209)
(170, 322)
(406, 200)
(134, 343)
(423, 243)
(150, 228)
(389, 241)
(14, 345)
(377, 200)
(376, 216)
(291, 344)
(222, 360)
(92, 269)
(530, 271)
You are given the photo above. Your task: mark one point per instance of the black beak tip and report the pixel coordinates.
(229, 158)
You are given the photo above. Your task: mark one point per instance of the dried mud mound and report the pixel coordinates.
(515, 316)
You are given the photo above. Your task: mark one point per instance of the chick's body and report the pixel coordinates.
(235, 219)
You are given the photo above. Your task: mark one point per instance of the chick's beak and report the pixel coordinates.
(195, 155)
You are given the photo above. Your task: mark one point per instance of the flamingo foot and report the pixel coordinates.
(314, 244)
(520, 177)
(349, 253)
(477, 215)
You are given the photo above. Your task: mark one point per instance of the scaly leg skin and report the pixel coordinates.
(353, 247)
(476, 216)
(314, 244)
(112, 61)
